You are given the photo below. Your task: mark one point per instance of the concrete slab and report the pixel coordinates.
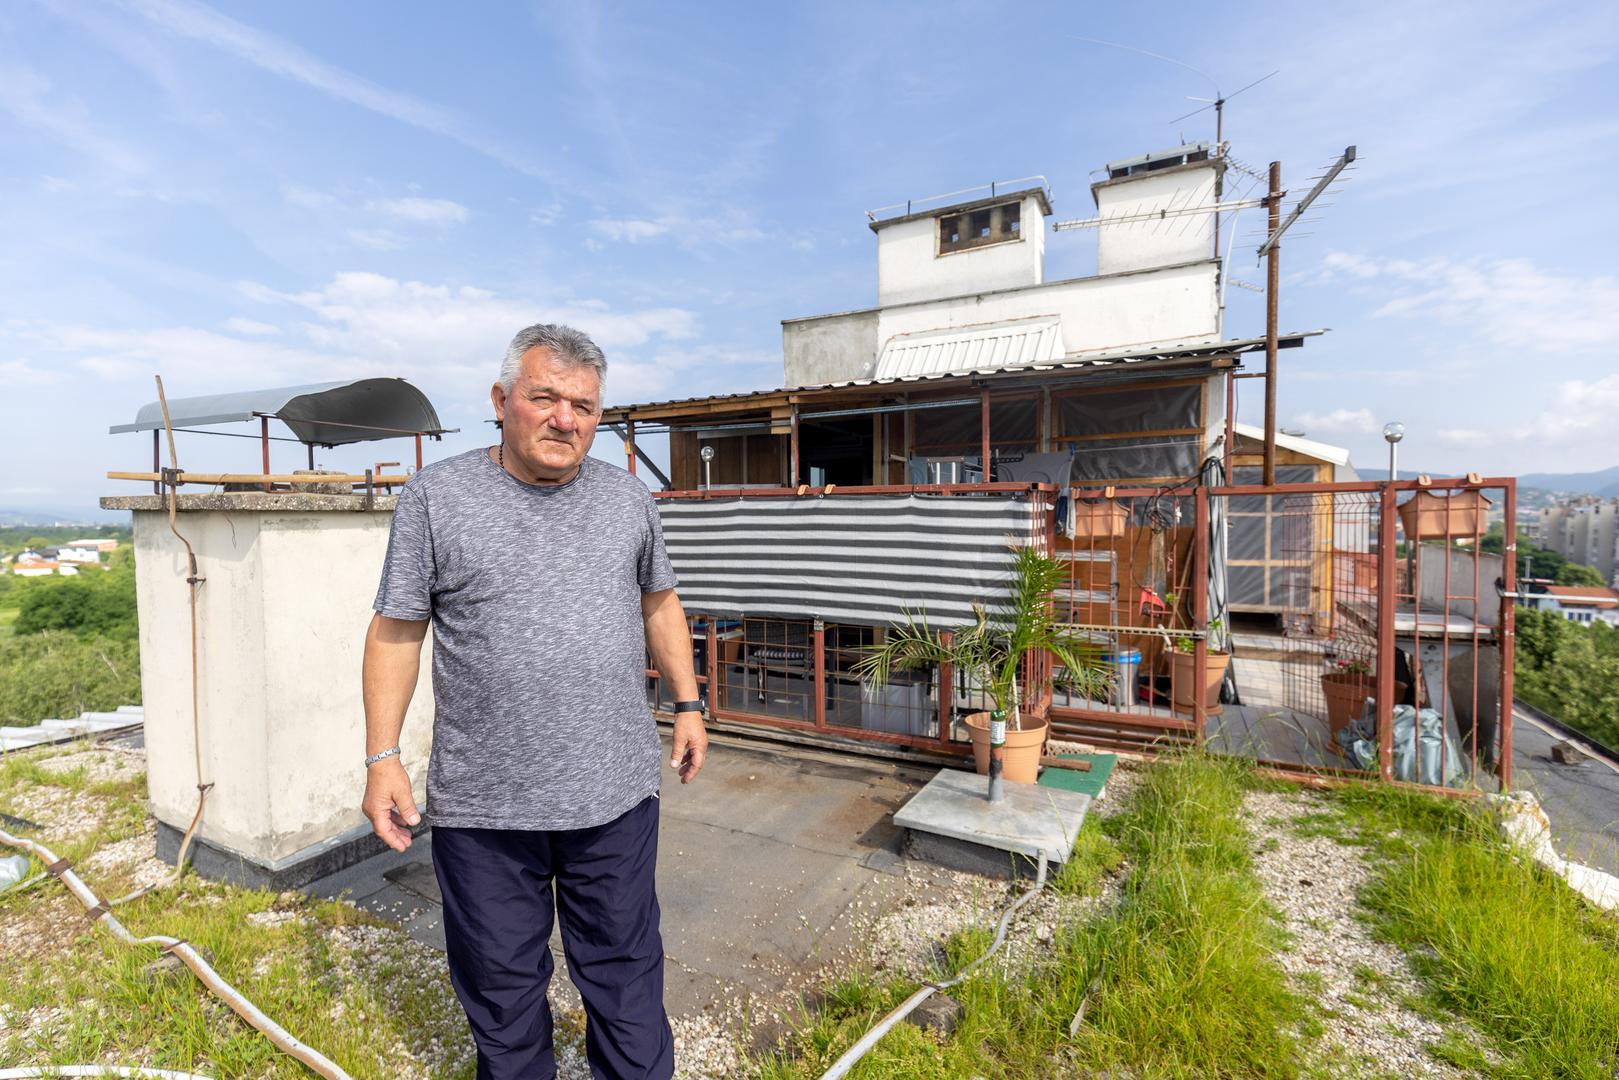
(1029, 820)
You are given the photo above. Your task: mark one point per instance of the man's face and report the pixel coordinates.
(550, 416)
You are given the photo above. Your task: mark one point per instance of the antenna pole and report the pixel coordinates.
(1273, 273)
(1219, 152)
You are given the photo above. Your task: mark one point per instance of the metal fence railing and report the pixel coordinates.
(1386, 647)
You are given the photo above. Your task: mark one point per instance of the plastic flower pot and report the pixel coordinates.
(1346, 695)
(1101, 520)
(1426, 516)
(1182, 675)
(1020, 760)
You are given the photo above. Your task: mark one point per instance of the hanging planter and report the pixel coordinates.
(1101, 519)
(1426, 516)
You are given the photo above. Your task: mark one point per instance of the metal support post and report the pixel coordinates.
(1508, 633)
(1273, 272)
(1386, 602)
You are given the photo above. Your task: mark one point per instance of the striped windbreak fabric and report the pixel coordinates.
(858, 558)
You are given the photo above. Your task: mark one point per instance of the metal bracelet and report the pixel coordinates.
(374, 758)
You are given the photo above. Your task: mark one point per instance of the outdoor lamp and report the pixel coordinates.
(707, 454)
(1393, 431)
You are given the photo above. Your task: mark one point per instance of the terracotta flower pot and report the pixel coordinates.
(1347, 695)
(1020, 760)
(1182, 673)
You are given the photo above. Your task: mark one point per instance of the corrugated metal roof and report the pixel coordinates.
(992, 346)
(1095, 358)
(327, 414)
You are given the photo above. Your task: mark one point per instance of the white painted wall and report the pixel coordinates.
(1171, 305)
(1120, 248)
(910, 268)
(281, 623)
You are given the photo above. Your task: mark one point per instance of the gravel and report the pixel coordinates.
(1314, 882)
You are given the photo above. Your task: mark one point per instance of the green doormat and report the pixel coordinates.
(1089, 783)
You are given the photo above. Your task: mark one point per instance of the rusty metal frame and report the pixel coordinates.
(1147, 731)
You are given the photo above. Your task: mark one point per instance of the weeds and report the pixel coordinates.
(1179, 979)
(1495, 937)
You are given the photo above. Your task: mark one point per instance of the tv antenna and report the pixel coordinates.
(1218, 102)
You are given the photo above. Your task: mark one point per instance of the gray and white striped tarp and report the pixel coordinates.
(855, 558)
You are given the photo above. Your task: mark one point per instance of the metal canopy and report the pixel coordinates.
(324, 414)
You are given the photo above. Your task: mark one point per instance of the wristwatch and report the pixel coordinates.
(695, 705)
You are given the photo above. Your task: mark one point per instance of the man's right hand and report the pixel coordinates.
(389, 803)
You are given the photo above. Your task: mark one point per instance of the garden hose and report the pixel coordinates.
(103, 916)
(859, 1050)
(99, 1070)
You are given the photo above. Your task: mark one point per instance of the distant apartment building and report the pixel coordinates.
(1584, 531)
(1576, 603)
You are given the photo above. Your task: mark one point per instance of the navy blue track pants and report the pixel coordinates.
(497, 886)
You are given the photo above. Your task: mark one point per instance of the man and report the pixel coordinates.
(544, 574)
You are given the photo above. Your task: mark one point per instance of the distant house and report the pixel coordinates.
(70, 554)
(1577, 603)
(96, 544)
(42, 568)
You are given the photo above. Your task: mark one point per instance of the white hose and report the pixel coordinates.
(210, 978)
(859, 1050)
(98, 1070)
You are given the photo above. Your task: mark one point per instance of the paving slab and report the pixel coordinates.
(1029, 820)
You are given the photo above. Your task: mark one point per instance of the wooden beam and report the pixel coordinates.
(258, 479)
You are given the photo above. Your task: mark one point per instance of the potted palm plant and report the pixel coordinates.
(990, 650)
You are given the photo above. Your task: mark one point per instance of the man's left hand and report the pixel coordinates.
(691, 746)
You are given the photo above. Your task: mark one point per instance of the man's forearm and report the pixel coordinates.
(668, 639)
(393, 656)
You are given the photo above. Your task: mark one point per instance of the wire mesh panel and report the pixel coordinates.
(1131, 593)
(907, 704)
(1387, 654)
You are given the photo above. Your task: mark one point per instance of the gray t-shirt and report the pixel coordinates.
(539, 649)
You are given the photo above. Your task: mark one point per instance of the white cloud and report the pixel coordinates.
(24, 373)
(430, 211)
(1464, 437)
(449, 337)
(188, 353)
(1339, 422)
(202, 23)
(251, 327)
(1583, 409)
(1507, 302)
(376, 239)
(308, 198)
(629, 230)
(28, 97)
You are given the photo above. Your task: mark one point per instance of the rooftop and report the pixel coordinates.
(1584, 595)
(1108, 358)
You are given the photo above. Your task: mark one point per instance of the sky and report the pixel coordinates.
(238, 196)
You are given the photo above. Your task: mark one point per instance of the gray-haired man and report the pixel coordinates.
(544, 574)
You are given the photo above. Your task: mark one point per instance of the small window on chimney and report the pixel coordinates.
(979, 228)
